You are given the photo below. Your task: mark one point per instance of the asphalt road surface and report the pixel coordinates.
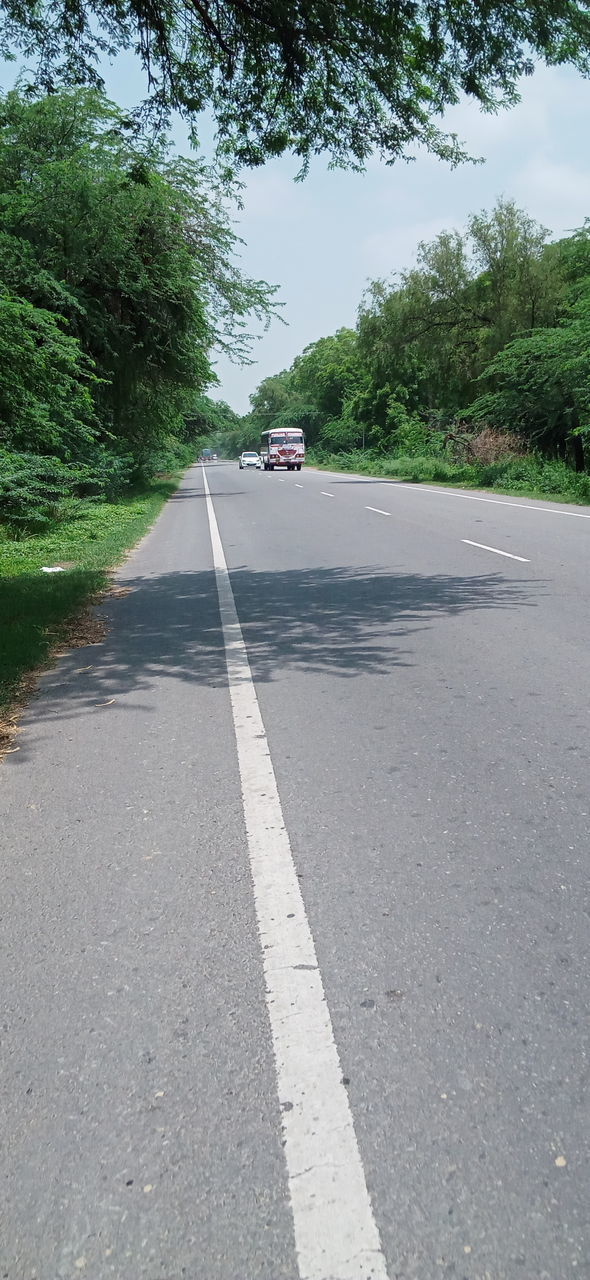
(295, 899)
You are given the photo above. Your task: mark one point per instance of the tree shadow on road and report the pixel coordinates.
(343, 621)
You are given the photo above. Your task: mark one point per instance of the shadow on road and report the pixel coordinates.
(346, 621)
(182, 494)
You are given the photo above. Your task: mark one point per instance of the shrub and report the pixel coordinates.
(340, 435)
(493, 446)
(517, 475)
(425, 468)
(105, 474)
(409, 435)
(34, 491)
(45, 383)
(172, 455)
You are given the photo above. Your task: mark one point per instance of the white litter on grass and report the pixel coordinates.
(53, 568)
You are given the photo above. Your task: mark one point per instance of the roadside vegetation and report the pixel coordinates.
(530, 477)
(117, 281)
(119, 278)
(472, 368)
(38, 608)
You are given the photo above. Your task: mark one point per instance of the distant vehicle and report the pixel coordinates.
(285, 448)
(249, 459)
(207, 455)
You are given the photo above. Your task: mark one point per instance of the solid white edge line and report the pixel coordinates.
(336, 1237)
(452, 493)
(378, 511)
(498, 502)
(496, 550)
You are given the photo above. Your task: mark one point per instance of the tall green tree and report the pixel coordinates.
(329, 378)
(428, 338)
(308, 75)
(271, 397)
(132, 252)
(46, 385)
(209, 419)
(329, 372)
(541, 387)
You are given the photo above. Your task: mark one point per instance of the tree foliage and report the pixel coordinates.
(469, 294)
(46, 403)
(208, 417)
(118, 281)
(309, 75)
(541, 386)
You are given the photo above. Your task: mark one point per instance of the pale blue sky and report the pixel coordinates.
(322, 240)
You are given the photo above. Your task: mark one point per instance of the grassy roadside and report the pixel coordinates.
(547, 482)
(37, 608)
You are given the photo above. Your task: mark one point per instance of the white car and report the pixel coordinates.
(249, 460)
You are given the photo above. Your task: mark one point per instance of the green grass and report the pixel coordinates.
(526, 477)
(35, 606)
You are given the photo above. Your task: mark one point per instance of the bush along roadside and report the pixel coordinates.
(39, 609)
(528, 476)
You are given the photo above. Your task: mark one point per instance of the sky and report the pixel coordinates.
(322, 240)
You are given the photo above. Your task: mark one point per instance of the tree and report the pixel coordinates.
(392, 361)
(210, 418)
(271, 397)
(328, 373)
(45, 384)
(518, 286)
(308, 75)
(428, 338)
(541, 387)
(133, 252)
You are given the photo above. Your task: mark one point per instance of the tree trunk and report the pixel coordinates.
(577, 448)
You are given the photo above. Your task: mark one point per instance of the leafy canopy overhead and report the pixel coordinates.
(344, 76)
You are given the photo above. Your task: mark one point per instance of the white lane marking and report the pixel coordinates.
(298, 486)
(335, 1231)
(496, 550)
(499, 502)
(327, 495)
(378, 510)
(281, 479)
(452, 493)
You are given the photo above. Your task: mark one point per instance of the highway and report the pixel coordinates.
(295, 914)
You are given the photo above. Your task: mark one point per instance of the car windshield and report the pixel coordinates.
(249, 455)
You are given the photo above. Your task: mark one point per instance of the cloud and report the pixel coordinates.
(394, 249)
(558, 193)
(271, 193)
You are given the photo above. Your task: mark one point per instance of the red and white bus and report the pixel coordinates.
(282, 448)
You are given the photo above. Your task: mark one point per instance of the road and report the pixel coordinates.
(295, 959)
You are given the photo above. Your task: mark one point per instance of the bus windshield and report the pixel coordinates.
(280, 437)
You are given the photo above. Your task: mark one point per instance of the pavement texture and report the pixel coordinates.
(427, 707)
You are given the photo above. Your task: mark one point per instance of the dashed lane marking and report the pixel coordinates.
(496, 550)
